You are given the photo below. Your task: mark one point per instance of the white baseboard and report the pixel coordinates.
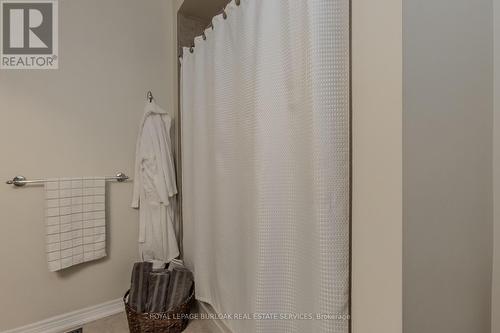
(72, 320)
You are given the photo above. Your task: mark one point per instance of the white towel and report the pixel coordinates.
(76, 221)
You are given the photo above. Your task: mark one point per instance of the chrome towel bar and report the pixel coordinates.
(21, 180)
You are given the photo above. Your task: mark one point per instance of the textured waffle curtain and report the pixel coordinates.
(265, 158)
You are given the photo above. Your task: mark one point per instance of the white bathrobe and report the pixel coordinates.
(155, 187)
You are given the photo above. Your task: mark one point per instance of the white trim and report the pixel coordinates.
(72, 320)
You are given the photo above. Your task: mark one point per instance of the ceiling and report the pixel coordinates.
(204, 9)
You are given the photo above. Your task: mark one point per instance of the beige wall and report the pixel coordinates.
(377, 166)
(448, 126)
(80, 120)
(495, 302)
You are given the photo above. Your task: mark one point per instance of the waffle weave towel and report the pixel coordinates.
(75, 220)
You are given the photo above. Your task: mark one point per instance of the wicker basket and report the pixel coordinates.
(174, 321)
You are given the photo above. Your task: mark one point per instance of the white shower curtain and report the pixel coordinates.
(265, 158)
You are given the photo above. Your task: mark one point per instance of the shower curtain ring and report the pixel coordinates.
(204, 36)
(224, 15)
(238, 2)
(191, 49)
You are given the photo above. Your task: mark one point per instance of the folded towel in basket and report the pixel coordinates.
(179, 287)
(139, 286)
(176, 263)
(157, 294)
